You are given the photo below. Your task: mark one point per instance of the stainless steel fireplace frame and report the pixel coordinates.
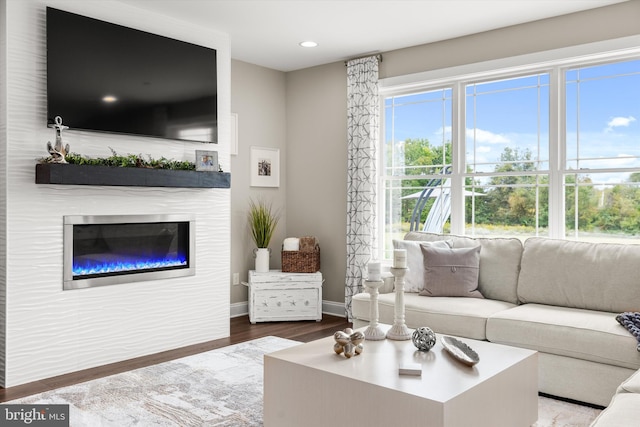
(71, 220)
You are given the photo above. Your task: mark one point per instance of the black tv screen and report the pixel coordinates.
(109, 78)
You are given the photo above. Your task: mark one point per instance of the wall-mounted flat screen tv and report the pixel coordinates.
(109, 78)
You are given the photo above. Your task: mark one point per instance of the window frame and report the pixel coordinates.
(555, 63)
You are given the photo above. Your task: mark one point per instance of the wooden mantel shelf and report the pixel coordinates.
(67, 174)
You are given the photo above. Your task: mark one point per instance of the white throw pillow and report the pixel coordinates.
(414, 279)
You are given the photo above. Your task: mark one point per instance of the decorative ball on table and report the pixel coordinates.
(348, 342)
(424, 338)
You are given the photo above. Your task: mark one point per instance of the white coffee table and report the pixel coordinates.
(309, 385)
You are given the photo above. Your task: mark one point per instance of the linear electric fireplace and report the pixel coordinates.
(107, 250)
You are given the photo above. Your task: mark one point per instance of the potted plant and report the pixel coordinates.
(262, 222)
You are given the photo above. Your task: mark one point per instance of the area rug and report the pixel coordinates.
(222, 387)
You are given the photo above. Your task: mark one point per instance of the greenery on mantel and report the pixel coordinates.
(128, 161)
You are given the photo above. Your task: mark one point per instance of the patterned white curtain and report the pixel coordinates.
(363, 108)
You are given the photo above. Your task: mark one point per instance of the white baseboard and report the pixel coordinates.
(240, 309)
(333, 308)
(328, 307)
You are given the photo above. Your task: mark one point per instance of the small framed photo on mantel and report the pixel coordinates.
(206, 160)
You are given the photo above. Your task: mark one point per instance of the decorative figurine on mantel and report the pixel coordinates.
(348, 342)
(58, 152)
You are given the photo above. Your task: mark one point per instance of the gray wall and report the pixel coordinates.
(258, 98)
(317, 153)
(315, 194)
(619, 20)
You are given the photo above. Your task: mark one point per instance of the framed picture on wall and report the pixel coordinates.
(265, 167)
(206, 160)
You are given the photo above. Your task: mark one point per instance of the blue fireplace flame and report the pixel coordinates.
(93, 267)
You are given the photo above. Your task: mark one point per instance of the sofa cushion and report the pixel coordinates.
(463, 317)
(450, 272)
(595, 276)
(581, 334)
(624, 410)
(499, 262)
(414, 279)
(631, 385)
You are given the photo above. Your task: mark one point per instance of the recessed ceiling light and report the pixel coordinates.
(109, 98)
(308, 43)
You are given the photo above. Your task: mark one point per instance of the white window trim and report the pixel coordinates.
(552, 62)
(598, 51)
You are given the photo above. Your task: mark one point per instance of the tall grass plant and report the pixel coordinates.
(262, 222)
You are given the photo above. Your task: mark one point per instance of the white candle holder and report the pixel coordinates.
(399, 331)
(399, 258)
(373, 332)
(373, 271)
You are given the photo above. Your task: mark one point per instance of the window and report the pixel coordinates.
(553, 151)
(416, 157)
(507, 156)
(601, 177)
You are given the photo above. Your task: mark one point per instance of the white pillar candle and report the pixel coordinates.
(373, 271)
(400, 258)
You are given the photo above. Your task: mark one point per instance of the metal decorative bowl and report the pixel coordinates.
(460, 351)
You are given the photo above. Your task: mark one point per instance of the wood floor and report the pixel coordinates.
(241, 330)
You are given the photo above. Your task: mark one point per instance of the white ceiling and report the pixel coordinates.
(267, 32)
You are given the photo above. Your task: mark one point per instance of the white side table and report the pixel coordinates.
(277, 296)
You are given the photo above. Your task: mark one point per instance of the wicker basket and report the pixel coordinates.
(301, 262)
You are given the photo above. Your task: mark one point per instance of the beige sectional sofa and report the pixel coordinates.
(624, 408)
(558, 297)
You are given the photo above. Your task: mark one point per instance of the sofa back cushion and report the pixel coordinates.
(594, 276)
(499, 262)
(414, 278)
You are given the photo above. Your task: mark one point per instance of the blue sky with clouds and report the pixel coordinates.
(602, 119)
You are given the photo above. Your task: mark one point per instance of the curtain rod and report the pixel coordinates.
(379, 56)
